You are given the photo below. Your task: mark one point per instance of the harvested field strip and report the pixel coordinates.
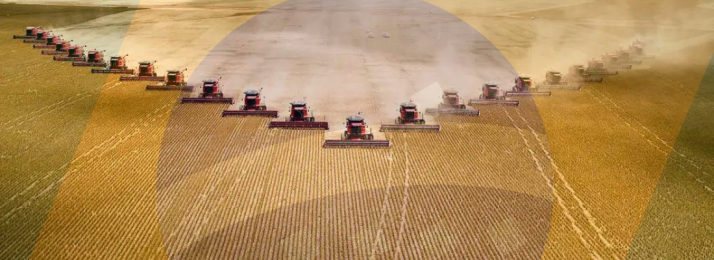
(107, 194)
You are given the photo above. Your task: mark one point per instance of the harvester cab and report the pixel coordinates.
(30, 33)
(452, 104)
(95, 58)
(117, 65)
(578, 73)
(147, 72)
(554, 80)
(300, 117)
(252, 106)
(210, 93)
(174, 80)
(409, 119)
(597, 67)
(524, 86)
(356, 134)
(491, 94)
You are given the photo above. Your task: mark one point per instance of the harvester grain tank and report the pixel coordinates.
(117, 65)
(174, 80)
(252, 106)
(357, 134)
(40, 37)
(612, 60)
(555, 80)
(74, 53)
(524, 86)
(61, 48)
(95, 58)
(597, 67)
(300, 118)
(147, 72)
(49, 44)
(578, 73)
(30, 33)
(492, 95)
(410, 119)
(452, 104)
(210, 93)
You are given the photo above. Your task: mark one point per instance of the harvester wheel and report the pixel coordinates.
(220, 95)
(370, 137)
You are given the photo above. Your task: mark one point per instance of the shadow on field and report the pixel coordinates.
(447, 222)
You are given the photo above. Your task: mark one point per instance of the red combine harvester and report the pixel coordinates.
(452, 104)
(637, 51)
(554, 80)
(30, 33)
(409, 120)
(146, 73)
(612, 60)
(597, 67)
(95, 58)
(524, 87)
(61, 48)
(356, 135)
(49, 44)
(117, 65)
(300, 117)
(174, 81)
(578, 73)
(492, 95)
(211, 93)
(624, 57)
(41, 37)
(252, 106)
(74, 53)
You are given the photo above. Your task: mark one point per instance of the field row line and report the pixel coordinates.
(691, 162)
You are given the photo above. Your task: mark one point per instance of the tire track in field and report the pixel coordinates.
(591, 219)
(96, 148)
(651, 142)
(405, 203)
(385, 205)
(560, 201)
(58, 105)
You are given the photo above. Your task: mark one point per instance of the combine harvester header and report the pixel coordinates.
(30, 33)
(117, 65)
(211, 93)
(174, 81)
(357, 134)
(554, 80)
(94, 59)
(147, 72)
(409, 120)
(492, 95)
(252, 106)
(74, 53)
(524, 87)
(451, 103)
(300, 118)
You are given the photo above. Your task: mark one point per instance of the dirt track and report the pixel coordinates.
(609, 145)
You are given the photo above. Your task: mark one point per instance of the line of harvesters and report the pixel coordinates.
(357, 133)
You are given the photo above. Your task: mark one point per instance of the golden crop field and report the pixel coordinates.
(103, 169)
